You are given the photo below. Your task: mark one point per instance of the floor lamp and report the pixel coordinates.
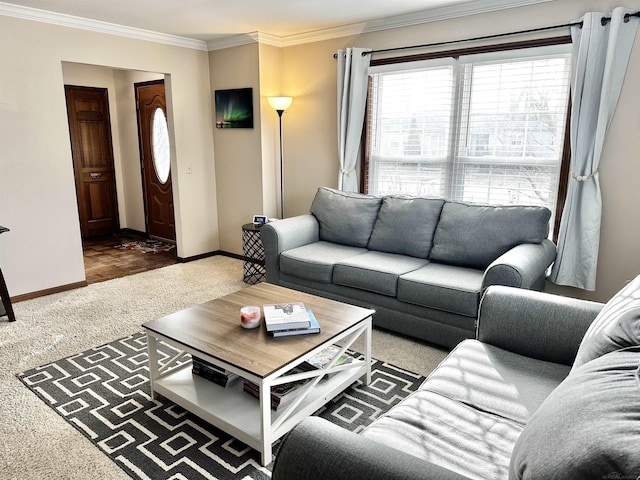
(280, 104)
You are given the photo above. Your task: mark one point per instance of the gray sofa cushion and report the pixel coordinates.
(405, 225)
(589, 427)
(616, 326)
(315, 261)
(443, 287)
(475, 235)
(495, 381)
(375, 271)
(345, 218)
(447, 433)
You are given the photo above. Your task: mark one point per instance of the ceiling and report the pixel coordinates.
(207, 20)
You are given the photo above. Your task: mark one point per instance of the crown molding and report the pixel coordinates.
(28, 13)
(244, 39)
(427, 16)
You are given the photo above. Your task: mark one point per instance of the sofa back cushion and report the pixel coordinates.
(344, 217)
(475, 235)
(588, 428)
(616, 326)
(405, 225)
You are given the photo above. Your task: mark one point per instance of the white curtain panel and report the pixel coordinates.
(600, 58)
(353, 69)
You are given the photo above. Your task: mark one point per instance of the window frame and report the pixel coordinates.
(456, 53)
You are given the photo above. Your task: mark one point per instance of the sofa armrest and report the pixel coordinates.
(316, 449)
(523, 266)
(283, 235)
(535, 324)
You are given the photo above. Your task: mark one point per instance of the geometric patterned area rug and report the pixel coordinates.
(146, 246)
(104, 393)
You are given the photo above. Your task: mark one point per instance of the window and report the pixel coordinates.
(486, 128)
(160, 141)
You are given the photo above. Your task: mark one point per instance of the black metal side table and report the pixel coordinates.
(253, 254)
(5, 305)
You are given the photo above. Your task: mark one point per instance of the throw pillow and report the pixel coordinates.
(344, 217)
(405, 225)
(588, 428)
(616, 326)
(475, 235)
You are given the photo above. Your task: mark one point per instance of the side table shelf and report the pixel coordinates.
(253, 253)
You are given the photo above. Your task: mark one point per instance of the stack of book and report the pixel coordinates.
(285, 394)
(286, 319)
(212, 372)
(281, 395)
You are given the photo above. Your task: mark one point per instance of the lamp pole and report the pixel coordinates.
(280, 104)
(280, 112)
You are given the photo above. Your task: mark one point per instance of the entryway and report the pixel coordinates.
(104, 261)
(122, 163)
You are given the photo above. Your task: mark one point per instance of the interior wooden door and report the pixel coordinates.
(92, 152)
(156, 159)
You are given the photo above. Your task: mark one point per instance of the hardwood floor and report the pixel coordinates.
(102, 261)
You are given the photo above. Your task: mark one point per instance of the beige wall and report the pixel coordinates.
(309, 74)
(37, 193)
(218, 197)
(238, 151)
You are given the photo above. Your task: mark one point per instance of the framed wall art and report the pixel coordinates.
(234, 108)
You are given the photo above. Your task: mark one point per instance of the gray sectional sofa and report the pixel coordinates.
(533, 397)
(421, 263)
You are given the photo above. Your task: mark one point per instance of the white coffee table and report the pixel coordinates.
(212, 331)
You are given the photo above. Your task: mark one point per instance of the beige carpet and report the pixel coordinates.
(36, 442)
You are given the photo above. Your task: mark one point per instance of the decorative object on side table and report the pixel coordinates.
(259, 220)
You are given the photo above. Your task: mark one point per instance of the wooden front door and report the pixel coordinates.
(156, 159)
(92, 152)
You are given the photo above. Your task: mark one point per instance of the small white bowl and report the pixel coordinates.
(250, 317)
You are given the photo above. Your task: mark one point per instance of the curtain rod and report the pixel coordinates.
(603, 21)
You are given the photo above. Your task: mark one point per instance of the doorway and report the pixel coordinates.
(103, 256)
(155, 158)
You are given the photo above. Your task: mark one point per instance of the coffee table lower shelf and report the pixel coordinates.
(238, 413)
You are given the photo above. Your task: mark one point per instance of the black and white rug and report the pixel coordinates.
(104, 393)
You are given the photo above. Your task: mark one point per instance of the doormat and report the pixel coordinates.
(147, 246)
(104, 393)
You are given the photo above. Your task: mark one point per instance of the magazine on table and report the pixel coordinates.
(285, 316)
(314, 327)
(322, 359)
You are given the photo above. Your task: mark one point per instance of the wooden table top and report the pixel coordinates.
(214, 328)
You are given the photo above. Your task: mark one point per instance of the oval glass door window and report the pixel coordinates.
(160, 140)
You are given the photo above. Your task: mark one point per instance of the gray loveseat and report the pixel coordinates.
(421, 263)
(533, 398)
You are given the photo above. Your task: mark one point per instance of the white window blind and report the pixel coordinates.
(482, 129)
